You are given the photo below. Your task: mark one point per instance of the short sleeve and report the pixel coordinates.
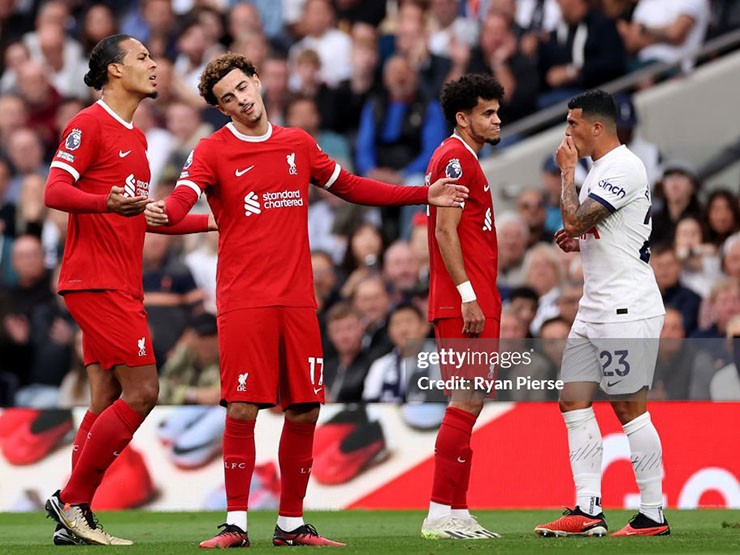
(79, 145)
(197, 172)
(324, 170)
(616, 191)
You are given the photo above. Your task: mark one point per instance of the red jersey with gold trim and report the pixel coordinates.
(103, 251)
(476, 231)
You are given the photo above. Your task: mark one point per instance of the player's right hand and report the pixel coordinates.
(119, 203)
(566, 242)
(473, 319)
(155, 214)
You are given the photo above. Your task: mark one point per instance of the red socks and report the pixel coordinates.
(452, 458)
(239, 453)
(109, 435)
(81, 436)
(296, 457)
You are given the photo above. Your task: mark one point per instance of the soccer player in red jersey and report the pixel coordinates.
(100, 175)
(464, 303)
(256, 177)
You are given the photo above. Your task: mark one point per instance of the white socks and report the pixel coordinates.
(437, 510)
(646, 455)
(237, 518)
(586, 447)
(290, 523)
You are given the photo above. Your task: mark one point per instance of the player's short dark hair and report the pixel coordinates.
(462, 94)
(595, 103)
(218, 68)
(107, 51)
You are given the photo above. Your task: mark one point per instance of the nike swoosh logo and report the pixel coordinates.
(461, 460)
(316, 391)
(612, 384)
(123, 154)
(239, 173)
(486, 188)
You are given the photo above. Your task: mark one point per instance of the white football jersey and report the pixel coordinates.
(619, 282)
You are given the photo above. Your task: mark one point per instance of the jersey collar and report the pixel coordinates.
(119, 119)
(250, 138)
(459, 138)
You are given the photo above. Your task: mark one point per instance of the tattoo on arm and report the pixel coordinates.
(579, 218)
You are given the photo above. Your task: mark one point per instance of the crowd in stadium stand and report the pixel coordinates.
(363, 78)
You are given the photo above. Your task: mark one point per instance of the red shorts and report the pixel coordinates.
(114, 328)
(467, 358)
(271, 356)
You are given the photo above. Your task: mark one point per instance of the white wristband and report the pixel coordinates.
(466, 292)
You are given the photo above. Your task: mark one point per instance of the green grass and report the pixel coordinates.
(379, 532)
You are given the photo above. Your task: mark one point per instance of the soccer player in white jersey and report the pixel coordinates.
(614, 340)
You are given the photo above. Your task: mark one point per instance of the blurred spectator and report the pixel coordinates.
(254, 46)
(274, 75)
(675, 197)
(411, 42)
(191, 375)
(667, 268)
(26, 153)
(99, 21)
(724, 300)
(725, 384)
(331, 44)
(13, 116)
(324, 279)
(387, 379)
(553, 334)
(344, 373)
(543, 274)
(244, 19)
(14, 56)
(399, 130)
(419, 244)
(68, 108)
(171, 296)
(451, 28)
(584, 51)
(270, 20)
(63, 60)
(202, 263)
(372, 303)
(15, 20)
(187, 128)
(42, 100)
(700, 264)
(683, 371)
(350, 95)
(550, 179)
(362, 257)
(731, 256)
(722, 215)
(33, 346)
(153, 23)
(306, 80)
(7, 225)
(667, 32)
(212, 20)
(536, 16)
(302, 112)
(531, 207)
(351, 12)
(401, 270)
(195, 48)
(571, 292)
(160, 142)
(74, 391)
(523, 302)
(648, 152)
(512, 233)
(171, 87)
(498, 54)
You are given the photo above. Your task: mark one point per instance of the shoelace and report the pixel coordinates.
(309, 530)
(90, 517)
(229, 529)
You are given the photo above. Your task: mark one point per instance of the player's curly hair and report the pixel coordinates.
(218, 68)
(107, 51)
(462, 95)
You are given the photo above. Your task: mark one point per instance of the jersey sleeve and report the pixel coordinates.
(324, 170)
(616, 191)
(454, 164)
(197, 172)
(79, 145)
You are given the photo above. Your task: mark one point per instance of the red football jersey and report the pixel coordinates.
(257, 188)
(103, 251)
(476, 231)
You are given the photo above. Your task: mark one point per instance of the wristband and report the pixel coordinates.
(466, 292)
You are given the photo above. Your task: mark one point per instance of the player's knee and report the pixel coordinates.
(627, 411)
(308, 413)
(242, 411)
(144, 397)
(567, 405)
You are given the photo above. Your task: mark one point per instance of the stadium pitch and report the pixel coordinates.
(385, 532)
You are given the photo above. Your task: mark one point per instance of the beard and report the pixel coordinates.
(153, 94)
(493, 142)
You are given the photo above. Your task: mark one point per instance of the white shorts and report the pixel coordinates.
(618, 355)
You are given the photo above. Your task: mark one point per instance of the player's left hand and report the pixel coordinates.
(473, 319)
(444, 192)
(566, 154)
(155, 214)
